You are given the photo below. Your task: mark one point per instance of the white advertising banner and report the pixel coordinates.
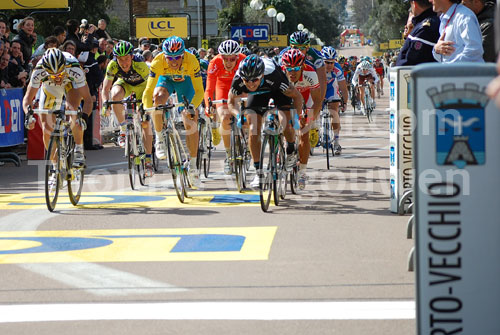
(400, 138)
(456, 194)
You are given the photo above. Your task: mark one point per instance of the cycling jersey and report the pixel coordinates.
(332, 83)
(203, 71)
(272, 86)
(137, 74)
(308, 81)
(219, 79)
(185, 81)
(52, 94)
(360, 78)
(379, 69)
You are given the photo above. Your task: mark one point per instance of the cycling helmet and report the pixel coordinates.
(173, 46)
(195, 52)
(329, 53)
(299, 37)
(251, 67)
(53, 61)
(123, 48)
(229, 47)
(365, 65)
(292, 58)
(342, 59)
(244, 50)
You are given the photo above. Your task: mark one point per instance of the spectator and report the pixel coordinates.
(211, 54)
(409, 24)
(102, 61)
(26, 37)
(101, 30)
(485, 12)
(60, 34)
(17, 73)
(4, 71)
(3, 29)
(50, 42)
(148, 57)
(493, 88)
(144, 45)
(72, 29)
(460, 39)
(69, 46)
(202, 52)
(106, 47)
(16, 55)
(423, 36)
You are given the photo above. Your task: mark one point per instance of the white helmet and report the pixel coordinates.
(365, 65)
(53, 61)
(229, 47)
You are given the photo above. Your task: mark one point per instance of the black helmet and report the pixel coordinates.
(300, 38)
(251, 67)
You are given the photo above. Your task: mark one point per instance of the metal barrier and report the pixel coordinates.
(401, 128)
(11, 123)
(457, 181)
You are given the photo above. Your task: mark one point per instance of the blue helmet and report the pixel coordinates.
(173, 46)
(329, 53)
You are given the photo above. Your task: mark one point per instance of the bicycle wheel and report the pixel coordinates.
(208, 153)
(327, 141)
(175, 167)
(294, 179)
(238, 163)
(265, 174)
(367, 103)
(282, 173)
(53, 172)
(76, 175)
(140, 158)
(201, 143)
(129, 152)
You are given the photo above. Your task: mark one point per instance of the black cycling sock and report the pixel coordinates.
(256, 166)
(290, 148)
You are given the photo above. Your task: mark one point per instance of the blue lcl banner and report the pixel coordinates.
(250, 33)
(11, 117)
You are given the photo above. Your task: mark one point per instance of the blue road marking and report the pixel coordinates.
(235, 199)
(116, 199)
(56, 244)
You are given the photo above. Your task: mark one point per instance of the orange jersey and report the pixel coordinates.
(219, 78)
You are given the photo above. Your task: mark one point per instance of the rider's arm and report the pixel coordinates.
(231, 102)
(317, 102)
(293, 93)
(322, 80)
(212, 73)
(29, 96)
(355, 77)
(197, 82)
(155, 71)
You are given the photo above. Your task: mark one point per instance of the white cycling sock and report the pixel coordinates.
(158, 135)
(303, 167)
(79, 147)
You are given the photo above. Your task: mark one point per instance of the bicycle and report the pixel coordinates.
(368, 102)
(273, 172)
(59, 157)
(178, 160)
(205, 145)
(354, 97)
(326, 135)
(134, 142)
(240, 156)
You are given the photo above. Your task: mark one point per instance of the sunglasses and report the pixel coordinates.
(294, 69)
(229, 59)
(172, 58)
(57, 75)
(253, 80)
(329, 62)
(300, 47)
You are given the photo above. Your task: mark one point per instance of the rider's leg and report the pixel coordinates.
(118, 93)
(160, 97)
(254, 141)
(190, 118)
(225, 128)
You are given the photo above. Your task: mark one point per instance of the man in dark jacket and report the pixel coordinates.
(418, 46)
(485, 12)
(73, 27)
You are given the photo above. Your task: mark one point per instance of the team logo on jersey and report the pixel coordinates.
(460, 124)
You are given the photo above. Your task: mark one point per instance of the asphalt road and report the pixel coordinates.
(330, 260)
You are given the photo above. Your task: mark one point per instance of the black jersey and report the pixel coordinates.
(275, 80)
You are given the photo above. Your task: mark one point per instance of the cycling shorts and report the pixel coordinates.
(259, 102)
(182, 88)
(138, 89)
(332, 99)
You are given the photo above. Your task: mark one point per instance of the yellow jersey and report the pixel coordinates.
(189, 70)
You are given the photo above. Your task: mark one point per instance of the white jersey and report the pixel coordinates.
(52, 93)
(358, 74)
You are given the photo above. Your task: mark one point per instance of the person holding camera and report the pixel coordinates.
(85, 42)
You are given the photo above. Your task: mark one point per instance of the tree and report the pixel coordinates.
(387, 20)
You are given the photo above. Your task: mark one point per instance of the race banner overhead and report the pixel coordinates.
(33, 4)
(162, 27)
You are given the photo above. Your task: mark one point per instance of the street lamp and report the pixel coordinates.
(280, 17)
(271, 12)
(256, 4)
(300, 26)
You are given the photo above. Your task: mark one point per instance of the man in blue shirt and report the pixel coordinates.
(460, 39)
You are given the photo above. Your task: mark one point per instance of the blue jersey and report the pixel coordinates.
(332, 83)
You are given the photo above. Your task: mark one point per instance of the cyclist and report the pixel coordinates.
(59, 74)
(305, 79)
(132, 73)
(203, 65)
(221, 71)
(365, 72)
(262, 79)
(379, 68)
(177, 70)
(336, 84)
(244, 50)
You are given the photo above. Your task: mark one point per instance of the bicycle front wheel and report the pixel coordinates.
(53, 166)
(281, 171)
(175, 167)
(140, 158)
(266, 172)
(75, 175)
(208, 153)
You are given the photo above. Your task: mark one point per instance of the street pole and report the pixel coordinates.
(204, 11)
(198, 17)
(131, 18)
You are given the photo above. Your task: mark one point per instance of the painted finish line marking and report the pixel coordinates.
(131, 199)
(137, 245)
(352, 310)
